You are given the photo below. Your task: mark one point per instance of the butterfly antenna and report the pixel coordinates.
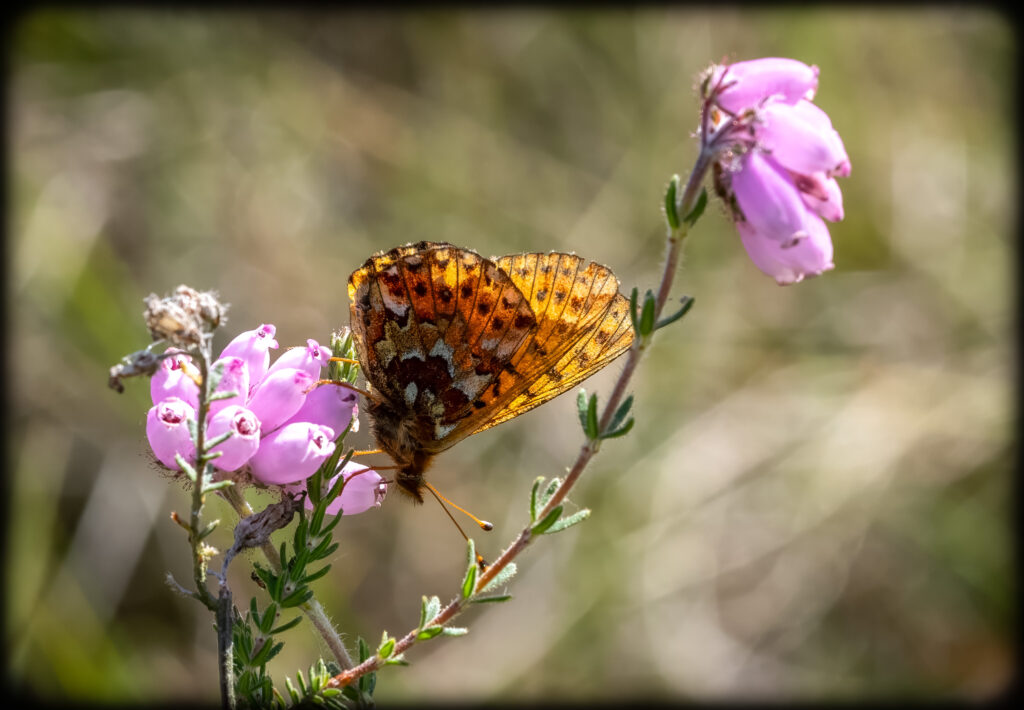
(484, 525)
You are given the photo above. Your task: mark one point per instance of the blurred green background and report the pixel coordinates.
(814, 503)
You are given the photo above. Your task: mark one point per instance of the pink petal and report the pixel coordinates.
(244, 439)
(235, 378)
(364, 489)
(755, 80)
(253, 347)
(768, 198)
(810, 255)
(309, 359)
(801, 139)
(167, 431)
(279, 396)
(171, 380)
(292, 453)
(821, 195)
(330, 405)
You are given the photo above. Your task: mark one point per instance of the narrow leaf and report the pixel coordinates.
(502, 577)
(433, 607)
(429, 633)
(533, 495)
(547, 522)
(622, 431)
(567, 522)
(647, 316)
(581, 409)
(186, 467)
(455, 631)
(620, 413)
(222, 395)
(687, 302)
(671, 212)
(591, 427)
(398, 660)
(469, 580)
(634, 295)
(698, 209)
(287, 625)
(488, 600)
(209, 487)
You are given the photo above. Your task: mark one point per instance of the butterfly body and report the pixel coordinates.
(452, 343)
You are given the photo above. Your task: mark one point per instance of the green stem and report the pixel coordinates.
(312, 609)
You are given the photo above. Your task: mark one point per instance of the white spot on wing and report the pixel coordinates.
(412, 353)
(444, 350)
(442, 430)
(410, 393)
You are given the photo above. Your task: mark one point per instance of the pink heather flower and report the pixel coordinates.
(253, 347)
(235, 379)
(309, 359)
(292, 453)
(167, 431)
(171, 380)
(755, 80)
(364, 489)
(330, 405)
(778, 160)
(279, 396)
(244, 440)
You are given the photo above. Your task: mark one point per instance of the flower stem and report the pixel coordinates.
(312, 608)
(676, 236)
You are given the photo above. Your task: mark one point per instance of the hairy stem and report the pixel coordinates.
(312, 609)
(685, 205)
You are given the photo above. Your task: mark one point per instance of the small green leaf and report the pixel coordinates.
(364, 649)
(300, 596)
(578, 517)
(548, 492)
(219, 439)
(387, 646)
(547, 522)
(671, 211)
(493, 599)
(222, 395)
(698, 209)
(455, 631)
(316, 575)
(398, 660)
(469, 581)
(213, 378)
(429, 633)
(591, 428)
(209, 528)
(423, 613)
(687, 302)
(581, 408)
(186, 467)
(647, 315)
(287, 625)
(507, 573)
(433, 608)
(621, 431)
(266, 620)
(533, 494)
(226, 483)
(621, 413)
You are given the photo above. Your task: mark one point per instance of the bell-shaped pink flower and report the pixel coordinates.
(769, 199)
(821, 195)
(292, 453)
(309, 359)
(364, 489)
(253, 346)
(802, 140)
(329, 405)
(235, 378)
(168, 432)
(279, 396)
(809, 253)
(244, 440)
(172, 379)
(748, 83)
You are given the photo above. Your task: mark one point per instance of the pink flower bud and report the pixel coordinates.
(309, 359)
(235, 378)
(253, 347)
(801, 139)
(279, 396)
(769, 199)
(167, 431)
(329, 405)
(364, 489)
(809, 254)
(821, 195)
(750, 82)
(244, 439)
(171, 379)
(292, 453)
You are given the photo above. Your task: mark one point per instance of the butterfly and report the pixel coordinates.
(452, 344)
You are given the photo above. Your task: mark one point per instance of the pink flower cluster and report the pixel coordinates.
(782, 175)
(282, 427)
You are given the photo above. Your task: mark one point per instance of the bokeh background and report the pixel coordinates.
(815, 500)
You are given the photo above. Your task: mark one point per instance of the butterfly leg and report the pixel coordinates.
(339, 383)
